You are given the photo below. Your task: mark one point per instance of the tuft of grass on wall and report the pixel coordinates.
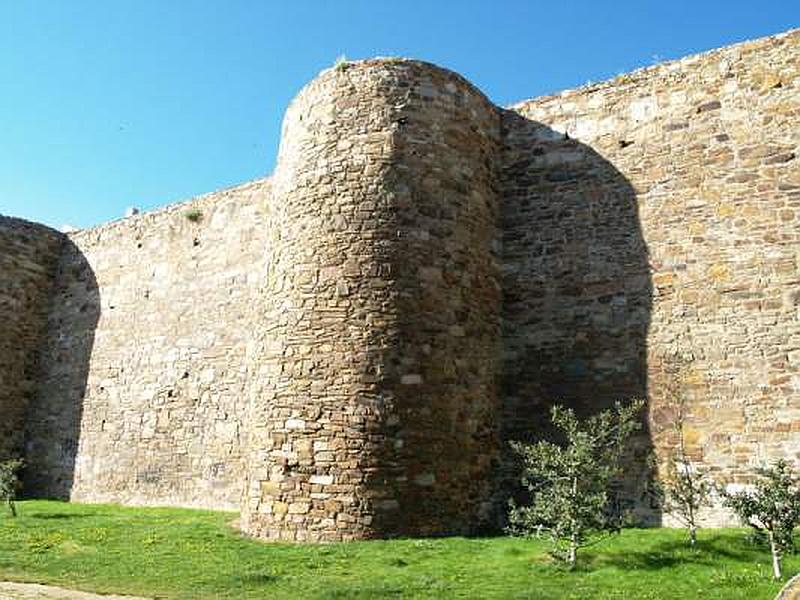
(194, 215)
(341, 64)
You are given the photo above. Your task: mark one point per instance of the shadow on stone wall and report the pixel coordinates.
(54, 415)
(577, 293)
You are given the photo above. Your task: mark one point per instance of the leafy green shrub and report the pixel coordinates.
(10, 483)
(772, 508)
(569, 483)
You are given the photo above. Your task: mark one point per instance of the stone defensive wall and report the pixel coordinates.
(142, 391)
(28, 256)
(652, 249)
(344, 350)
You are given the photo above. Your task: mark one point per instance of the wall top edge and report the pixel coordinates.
(399, 62)
(672, 67)
(30, 226)
(172, 208)
(633, 78)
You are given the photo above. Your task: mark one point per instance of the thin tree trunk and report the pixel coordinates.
(692, 526)
(776, 556)
(573, 551)
(573, 538)
(12, 507)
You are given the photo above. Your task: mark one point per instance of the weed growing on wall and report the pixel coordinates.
(341, 64)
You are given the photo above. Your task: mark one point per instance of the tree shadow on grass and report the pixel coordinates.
(253, 579)
(62, 516)
(718, 551)
(365, 591)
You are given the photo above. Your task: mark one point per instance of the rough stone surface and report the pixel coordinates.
(142, 395)
(343, 350)
(790, 591)
(35, 591)
(28, 253)
(381, 311)
(694, 229)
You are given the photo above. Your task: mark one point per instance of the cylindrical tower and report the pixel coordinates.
(375, 404)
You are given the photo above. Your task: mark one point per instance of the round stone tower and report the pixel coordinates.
(375, 403)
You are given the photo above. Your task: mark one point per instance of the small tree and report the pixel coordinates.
(569, 483)
(772, 509)
(9, 483)
(686, 487)
(686, 490)
(683, 488)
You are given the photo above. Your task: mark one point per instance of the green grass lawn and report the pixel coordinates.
(178, 553)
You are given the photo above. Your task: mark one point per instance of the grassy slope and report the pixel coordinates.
(169, 553)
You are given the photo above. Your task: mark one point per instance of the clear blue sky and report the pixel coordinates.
(106, 104)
